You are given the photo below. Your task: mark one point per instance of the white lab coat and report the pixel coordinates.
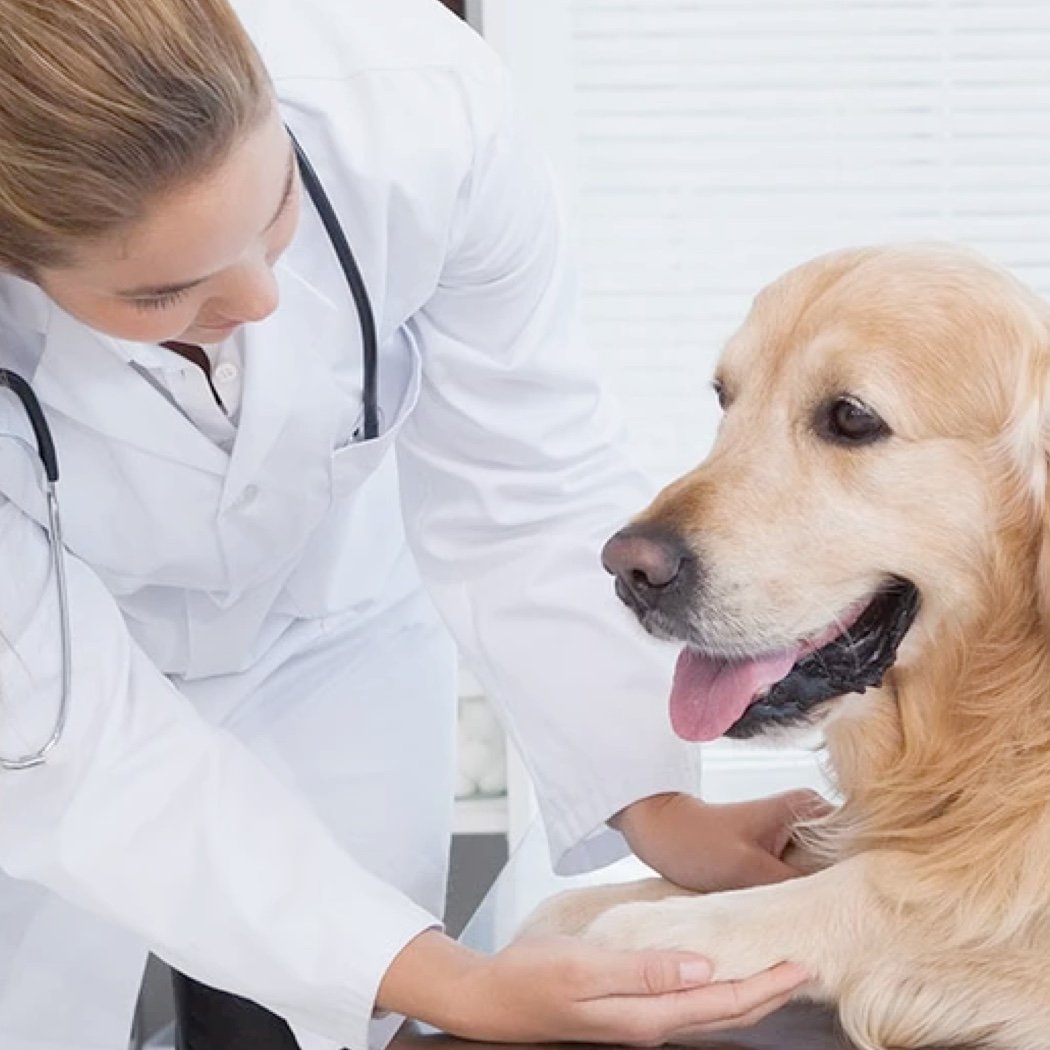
(256, 778)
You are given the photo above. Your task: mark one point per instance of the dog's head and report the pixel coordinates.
(879, 458)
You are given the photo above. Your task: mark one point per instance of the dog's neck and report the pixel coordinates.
(950, 760)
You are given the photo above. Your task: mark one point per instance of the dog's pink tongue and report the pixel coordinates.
(709, 694)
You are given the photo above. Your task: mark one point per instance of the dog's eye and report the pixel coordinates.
(720, 392)
(848, 421)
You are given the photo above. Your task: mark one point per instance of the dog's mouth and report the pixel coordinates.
(714, 696)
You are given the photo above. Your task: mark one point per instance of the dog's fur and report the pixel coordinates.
(928, 922)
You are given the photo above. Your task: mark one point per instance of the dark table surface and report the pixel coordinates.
(795, 1027)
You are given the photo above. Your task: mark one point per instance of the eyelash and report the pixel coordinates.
(159, 302)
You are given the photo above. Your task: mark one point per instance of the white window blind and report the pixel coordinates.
(720, 142)
(708, 145)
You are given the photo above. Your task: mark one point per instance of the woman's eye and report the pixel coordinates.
(159, 302)
(720, 392)
(846, 420)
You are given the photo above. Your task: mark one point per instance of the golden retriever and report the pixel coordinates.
(866, 550)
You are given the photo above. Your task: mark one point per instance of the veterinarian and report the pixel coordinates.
(254, 778)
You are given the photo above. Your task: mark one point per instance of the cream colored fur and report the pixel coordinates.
(930, 923)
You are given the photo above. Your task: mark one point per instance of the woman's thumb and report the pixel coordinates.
(659, 973)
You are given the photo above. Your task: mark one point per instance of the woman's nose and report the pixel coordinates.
(251, 294)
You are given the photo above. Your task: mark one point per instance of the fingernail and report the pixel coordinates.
(696, 971)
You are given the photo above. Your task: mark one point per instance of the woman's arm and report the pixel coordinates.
(169, 827)
(514, 472)
(559, 989)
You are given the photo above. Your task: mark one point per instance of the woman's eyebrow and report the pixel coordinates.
(159, 290)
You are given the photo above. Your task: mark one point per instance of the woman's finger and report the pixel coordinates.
(652, 1018)
(732, 1000)
(644, 973)
(687, 1035)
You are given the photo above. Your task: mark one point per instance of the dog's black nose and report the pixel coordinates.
(650, 564)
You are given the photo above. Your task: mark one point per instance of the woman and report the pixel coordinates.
(255, 780)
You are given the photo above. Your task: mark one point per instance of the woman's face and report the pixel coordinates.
(201, 262)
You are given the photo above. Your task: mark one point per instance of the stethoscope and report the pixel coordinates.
(45, 445)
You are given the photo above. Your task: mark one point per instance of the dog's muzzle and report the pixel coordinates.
(660, 579)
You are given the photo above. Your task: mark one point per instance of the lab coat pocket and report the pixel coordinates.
(400, 378)
(354, 554)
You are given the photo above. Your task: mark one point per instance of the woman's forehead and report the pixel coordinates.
(202, 226)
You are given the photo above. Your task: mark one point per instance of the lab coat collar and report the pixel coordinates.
(82, 378)
(24, 310)
(24, 304)
(278, 357)
(86, 376)
(147, 355)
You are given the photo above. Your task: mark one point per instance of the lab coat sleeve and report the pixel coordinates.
(149, 816)
(514, 472)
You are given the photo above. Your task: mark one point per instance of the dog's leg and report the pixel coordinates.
(893, 980)
(830, 922)
(573, 911)
(897, 984)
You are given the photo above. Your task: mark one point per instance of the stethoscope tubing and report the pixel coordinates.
(366, 318)
(41, 431)
(49, 457)
(49, 460)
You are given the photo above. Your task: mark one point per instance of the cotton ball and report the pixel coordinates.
(482, 753)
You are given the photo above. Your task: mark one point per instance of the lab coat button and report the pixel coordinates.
(226, 372)
(247, 497)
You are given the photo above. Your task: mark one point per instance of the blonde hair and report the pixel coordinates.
(105, 105)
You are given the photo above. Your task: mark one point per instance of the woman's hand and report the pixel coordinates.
(707, 847)
(557, 989)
